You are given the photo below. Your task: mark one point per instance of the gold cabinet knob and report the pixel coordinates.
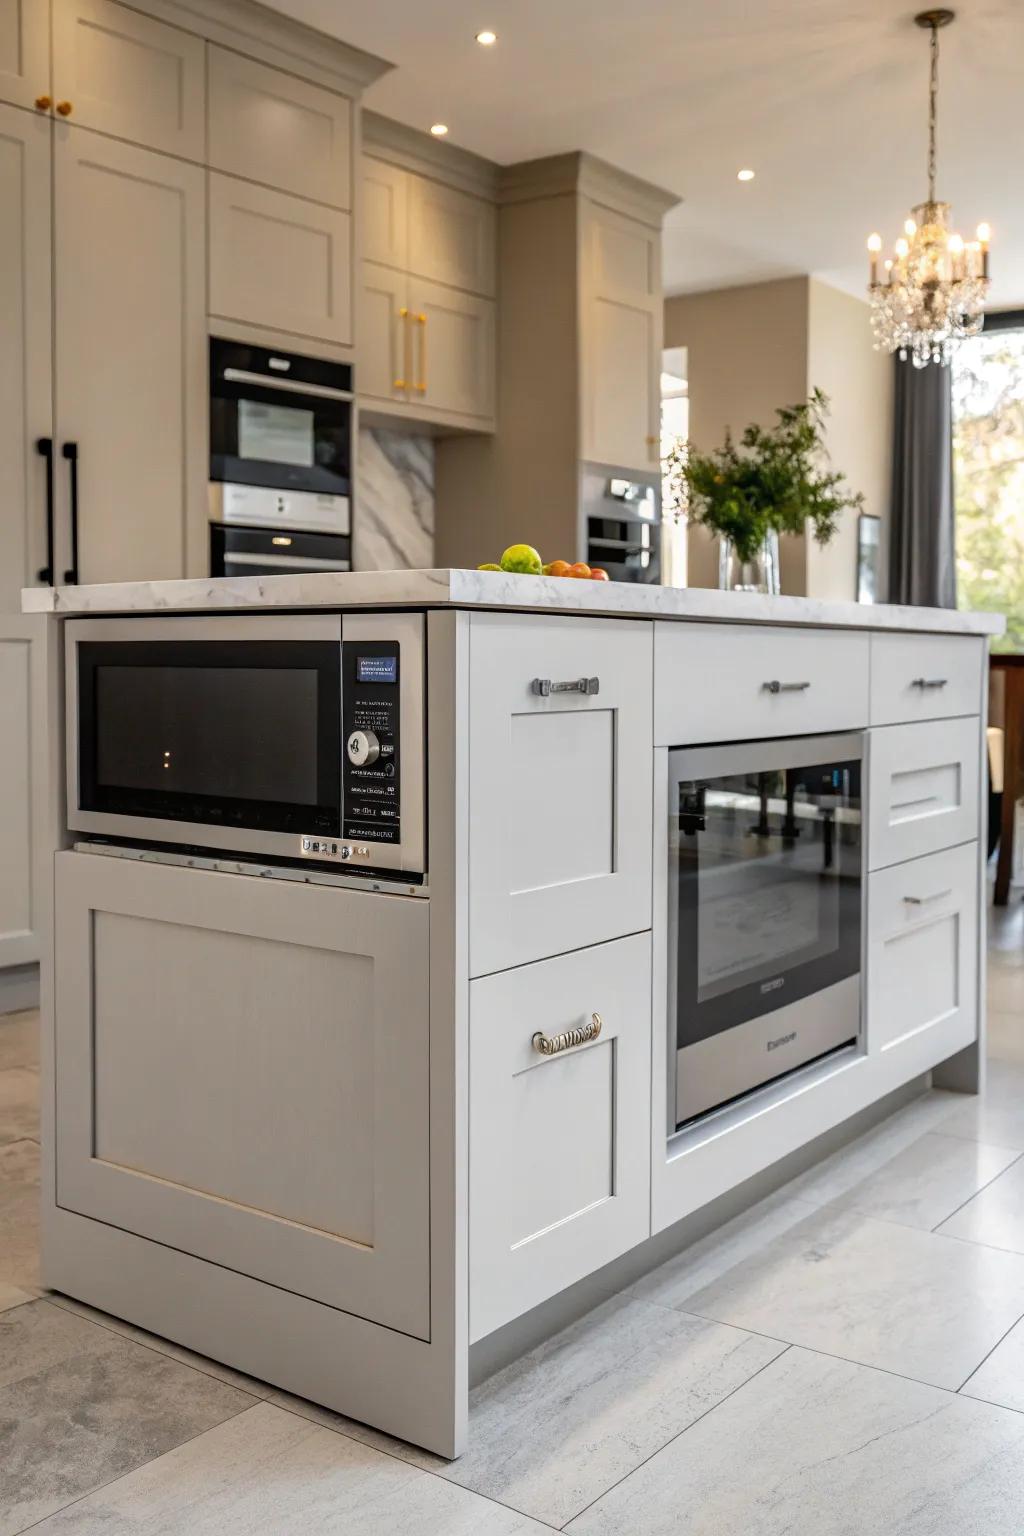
(650, 441)
(64, 108)
(44, 103)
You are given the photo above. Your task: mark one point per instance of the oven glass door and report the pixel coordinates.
(223, 733)
(289, 430)
(765, 843)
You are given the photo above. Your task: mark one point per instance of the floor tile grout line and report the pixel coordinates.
(988, 1356)
(132, 1470)
(163, 1353)
(977, 1192)
(685, 1430)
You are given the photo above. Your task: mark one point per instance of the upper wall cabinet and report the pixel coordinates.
(428, 229)
(385, 213)
(620, 345)
(272, 127)
(128, 75)
(24, 51)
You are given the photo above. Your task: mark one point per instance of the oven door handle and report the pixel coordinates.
(285, 386)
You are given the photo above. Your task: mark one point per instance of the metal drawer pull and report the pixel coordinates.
(777, 687)
(543, 686)
(550, 1045)
(922, 901)
(929, 682)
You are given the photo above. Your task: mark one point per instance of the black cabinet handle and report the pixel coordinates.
(44, 446)
(70, 452)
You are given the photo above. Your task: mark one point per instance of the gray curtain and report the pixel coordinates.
(922, 566)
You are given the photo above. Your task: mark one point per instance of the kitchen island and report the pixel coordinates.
(341, 1102)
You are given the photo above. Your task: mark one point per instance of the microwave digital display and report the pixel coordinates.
(377, 669)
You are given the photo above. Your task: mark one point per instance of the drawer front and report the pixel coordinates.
(271, 127)
(739, 682)
(559, 1144)
(560, 786)
(279, 261)
(922, 789)
(925, 677)
(923, 947)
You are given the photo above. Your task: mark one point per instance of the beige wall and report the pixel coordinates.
(747, 354)
(842, 361)
(755, 348)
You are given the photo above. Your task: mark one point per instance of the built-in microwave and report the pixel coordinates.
(280, 441)
(288, 737)
(765, 876)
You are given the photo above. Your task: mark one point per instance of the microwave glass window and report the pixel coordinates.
(276, 434)
(246, 735)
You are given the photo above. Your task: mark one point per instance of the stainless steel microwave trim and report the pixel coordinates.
(407, 628)
(285, 386)
(286, 562)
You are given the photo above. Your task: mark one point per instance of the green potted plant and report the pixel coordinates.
(776, 480)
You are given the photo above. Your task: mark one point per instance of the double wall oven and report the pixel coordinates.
(291, 739)
(764, 938)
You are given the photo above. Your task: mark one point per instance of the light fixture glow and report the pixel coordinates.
(874, 242)
(439, 130)
(745, 175)
(487, 39)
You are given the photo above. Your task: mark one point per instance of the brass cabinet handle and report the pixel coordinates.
(421, 386)
(550, 1045)
(64, 108)
(44, 103)
(543, 687)
(403, 315)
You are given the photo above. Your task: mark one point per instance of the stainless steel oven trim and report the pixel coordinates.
(284, 562)
(686, 763)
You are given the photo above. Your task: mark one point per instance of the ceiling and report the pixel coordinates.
(825, 100)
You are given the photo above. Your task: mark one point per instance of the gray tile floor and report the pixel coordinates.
(847, 1359)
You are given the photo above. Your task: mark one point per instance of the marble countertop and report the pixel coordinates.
(493, 589)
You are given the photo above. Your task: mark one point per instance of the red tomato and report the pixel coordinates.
(597, 574)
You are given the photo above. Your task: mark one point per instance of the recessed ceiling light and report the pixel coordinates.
(487, 39)
(439, 130)
(745, 175)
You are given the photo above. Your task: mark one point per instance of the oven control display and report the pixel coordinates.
(371, 694)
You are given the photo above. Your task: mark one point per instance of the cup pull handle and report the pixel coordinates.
(550, 1045)
(776, 687)
(543, 686)
(923, 901)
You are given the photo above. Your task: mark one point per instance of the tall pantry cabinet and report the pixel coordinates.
(117, 129)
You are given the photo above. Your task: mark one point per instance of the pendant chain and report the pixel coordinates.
(933, 92)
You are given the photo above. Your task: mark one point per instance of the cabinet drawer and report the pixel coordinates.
(559, 1144)
(739, 682)
(279, 261)
(923, 946)
(130, 75)
(560, 786)
(925, 677)
(271, 127)
(922, 789)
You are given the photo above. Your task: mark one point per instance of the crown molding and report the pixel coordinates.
(414, 150)
(581, 174)
(251, 28)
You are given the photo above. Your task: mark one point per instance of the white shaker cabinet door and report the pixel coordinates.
(243, 1074)
(453, 350)
(131, 358)
(560, 784)
(384, 334)
(24, 51)
(280, 262)
(130, 75)
(559, 1153)
(26, 406)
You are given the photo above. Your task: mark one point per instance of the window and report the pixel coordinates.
(988, 468)
(675, 430)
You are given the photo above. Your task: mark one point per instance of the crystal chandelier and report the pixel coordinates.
(933, 291)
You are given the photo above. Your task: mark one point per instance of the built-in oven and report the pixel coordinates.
(764, 902)
(281, 449)
(274, 552)
(290, 737)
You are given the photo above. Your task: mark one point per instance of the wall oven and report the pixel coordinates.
(295, 738)
(280, 441)
(765, 881)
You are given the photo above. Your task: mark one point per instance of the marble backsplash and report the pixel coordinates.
(393, 521)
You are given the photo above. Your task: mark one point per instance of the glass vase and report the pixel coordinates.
(758, 574)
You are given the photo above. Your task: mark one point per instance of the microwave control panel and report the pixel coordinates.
(371, 774)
